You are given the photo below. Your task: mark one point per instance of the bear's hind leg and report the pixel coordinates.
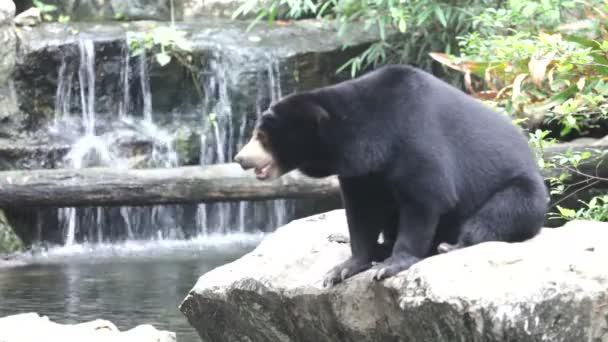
(368, 212)
(513, 214)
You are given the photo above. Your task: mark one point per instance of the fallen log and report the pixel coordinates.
(190, 184)
(212, 183)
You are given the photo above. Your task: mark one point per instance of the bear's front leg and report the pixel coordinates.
(369, 210)
(416, 231)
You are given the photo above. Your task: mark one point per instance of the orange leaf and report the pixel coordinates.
(468, 83)
(517, 86)
(488, 79)
(487, 94)
(538, 68)
(446, 60)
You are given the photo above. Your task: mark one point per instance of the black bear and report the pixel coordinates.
(418, 160)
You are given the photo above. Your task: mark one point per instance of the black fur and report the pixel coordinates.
(417, 159)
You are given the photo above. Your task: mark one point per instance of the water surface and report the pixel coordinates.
(129, 284)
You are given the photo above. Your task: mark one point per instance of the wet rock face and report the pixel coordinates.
(551, 288)
(8, 41)
(226, 64)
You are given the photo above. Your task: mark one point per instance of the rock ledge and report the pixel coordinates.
(551, 288)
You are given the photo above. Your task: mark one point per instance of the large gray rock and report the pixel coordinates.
(551, 288)
(31, 327)
(8, 42)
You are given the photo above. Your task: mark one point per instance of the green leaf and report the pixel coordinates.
(566, 212)
(402, 25)
(585, 155)
(257, 19)
(244, 8)
(381, 29)
(440, 16)
(592, 204)
(422, 17)
(63, 18)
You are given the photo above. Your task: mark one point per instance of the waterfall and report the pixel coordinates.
(125, 70)
(144, 80)
(93, 149)
(223, 132)
(86, 76)
(224, 135)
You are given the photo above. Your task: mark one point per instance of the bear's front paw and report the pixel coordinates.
(392, 266)
(344, 271)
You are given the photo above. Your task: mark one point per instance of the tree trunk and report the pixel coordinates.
(191, 184)
(222, 182)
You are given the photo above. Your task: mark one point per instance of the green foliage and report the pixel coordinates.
(47, 11)
(538, 142)
(563, 166)
(165, 42)
(596, 209)
(408, 30)
(544, 73)
(554, 75)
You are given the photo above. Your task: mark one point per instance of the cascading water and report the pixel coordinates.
(97, 144)
(224, 135)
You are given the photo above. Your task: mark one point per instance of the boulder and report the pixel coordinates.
(31, 327)
(551, 288)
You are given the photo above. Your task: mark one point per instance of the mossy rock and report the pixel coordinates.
(188, 146)
(9, 241)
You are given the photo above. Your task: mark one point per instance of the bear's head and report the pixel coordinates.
(287, 136)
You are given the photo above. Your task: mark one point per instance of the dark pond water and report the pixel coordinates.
(129, 284)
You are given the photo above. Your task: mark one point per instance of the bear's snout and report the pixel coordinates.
(243, 162)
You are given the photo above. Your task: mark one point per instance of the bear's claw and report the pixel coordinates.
(344, 271)
(392, 266)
